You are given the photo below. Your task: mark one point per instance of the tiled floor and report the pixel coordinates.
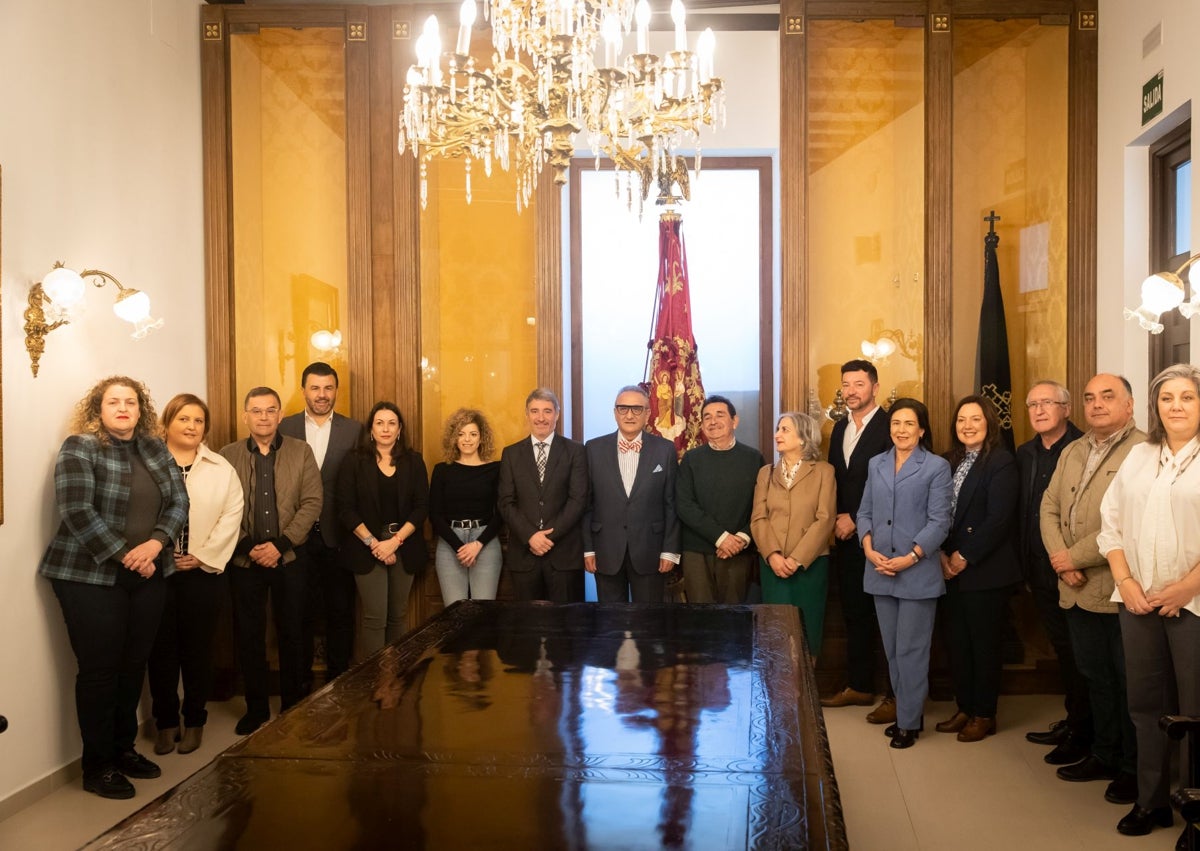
(939, 795)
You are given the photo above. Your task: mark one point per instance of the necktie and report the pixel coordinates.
(629, 445)
(541, 460)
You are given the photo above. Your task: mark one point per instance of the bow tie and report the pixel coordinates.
(628, 445)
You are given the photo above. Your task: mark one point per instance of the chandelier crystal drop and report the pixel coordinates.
(556, 72)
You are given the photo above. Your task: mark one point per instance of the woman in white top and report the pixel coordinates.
(1150, 533)
(196, 589)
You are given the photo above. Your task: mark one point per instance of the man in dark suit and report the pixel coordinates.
(630, 530)
(542, 496)
(330, 586)
(855, 440)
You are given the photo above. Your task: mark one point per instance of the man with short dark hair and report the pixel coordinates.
(1049, 406)
(714, 497)
(542, 496)
(630, 529)
(331, 588)
(1070, 522)
(282, 486)
(854, 441)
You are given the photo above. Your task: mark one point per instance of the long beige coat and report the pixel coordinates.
(796, 522)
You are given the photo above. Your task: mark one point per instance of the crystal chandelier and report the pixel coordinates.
(556, 73)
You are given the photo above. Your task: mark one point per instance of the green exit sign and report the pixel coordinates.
(1152, 98)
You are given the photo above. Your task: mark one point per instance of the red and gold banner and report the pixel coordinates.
(673, 374)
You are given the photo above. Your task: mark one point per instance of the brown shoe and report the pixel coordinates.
(884, 713)
(192, 737)
(164, 743)
(849, 697)
(953, 724)
(977, 729)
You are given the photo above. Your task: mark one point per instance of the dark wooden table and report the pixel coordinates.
(527, 726)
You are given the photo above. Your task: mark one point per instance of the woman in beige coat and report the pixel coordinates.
(794, 511)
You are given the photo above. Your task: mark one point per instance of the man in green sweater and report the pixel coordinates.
(713, 499)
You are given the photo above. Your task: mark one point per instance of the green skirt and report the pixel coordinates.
(804, 589)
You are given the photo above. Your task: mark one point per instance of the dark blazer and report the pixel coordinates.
(556, 503)
(644, 522)
(875, 439)
(985, 523)
(343, 437)
(901, 509)
(358, 502)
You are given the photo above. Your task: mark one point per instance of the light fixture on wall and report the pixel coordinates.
(891, 341)
(60, 293)
(555, 73)
(327, 342)
(1164, 291)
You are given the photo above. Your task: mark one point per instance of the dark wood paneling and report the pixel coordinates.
(1081, 199)
(939, 161)
(793, 177)
(218, 232)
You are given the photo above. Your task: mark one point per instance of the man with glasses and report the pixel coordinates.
(1049, 406)
(282, 486)
(630, 530)
(714, 496)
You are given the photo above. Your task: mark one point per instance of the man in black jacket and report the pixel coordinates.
(1049, 406)
(855, 440)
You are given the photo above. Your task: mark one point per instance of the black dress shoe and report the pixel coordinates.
(1123, 790)
(905, 738)
(1181, 844)
(890, 730)
(1054, 736)
(108, 783)
(1089, 769)
(133, 764)
(249, 722)
(1071, 749)
(1139, 821)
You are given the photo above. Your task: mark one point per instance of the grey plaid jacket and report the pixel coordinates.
(91, 487)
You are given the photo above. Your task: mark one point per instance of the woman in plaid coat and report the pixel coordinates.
(122, 501)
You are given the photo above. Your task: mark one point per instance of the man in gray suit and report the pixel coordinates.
(542, 495)
(630, 529)
(330, 586)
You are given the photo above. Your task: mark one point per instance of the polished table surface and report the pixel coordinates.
(530, 726)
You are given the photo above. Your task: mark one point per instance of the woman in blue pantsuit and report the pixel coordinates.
(902, 520)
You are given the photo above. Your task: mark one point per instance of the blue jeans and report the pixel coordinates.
(478, 582)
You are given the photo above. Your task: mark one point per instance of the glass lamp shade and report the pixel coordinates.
(868, 349)
(132, 305)
(326, 341)
(63, 286)
(885, 347)
(1162, 292)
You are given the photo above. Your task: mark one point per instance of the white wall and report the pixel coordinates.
(100, 150)
(1123, 194)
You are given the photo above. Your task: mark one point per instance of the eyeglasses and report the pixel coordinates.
(631, 409)
(259, 413)
(1038, 404)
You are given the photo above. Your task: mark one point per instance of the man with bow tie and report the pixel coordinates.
(542, 495)
(630, 530)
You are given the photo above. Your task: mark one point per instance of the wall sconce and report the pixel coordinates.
(890, 342)
(327, 342)
(1161, 292)
(61, 290)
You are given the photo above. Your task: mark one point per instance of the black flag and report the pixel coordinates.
(992, 374)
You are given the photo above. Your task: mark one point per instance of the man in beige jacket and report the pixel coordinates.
(1070, 521)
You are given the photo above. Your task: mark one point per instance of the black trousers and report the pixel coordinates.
(546, 583)
(287, 588)
(617, 587)
(183, 647)
(1096, 640)
(1043, 585)
(111, 628)
(858, 612)
(331, 592)
(974, 628)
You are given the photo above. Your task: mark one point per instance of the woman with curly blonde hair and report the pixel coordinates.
(462, 509)
(122, 502)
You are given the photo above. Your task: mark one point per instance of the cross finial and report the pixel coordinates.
(991, 220)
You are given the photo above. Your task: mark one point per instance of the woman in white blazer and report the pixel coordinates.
(195, 591)
(902, 521)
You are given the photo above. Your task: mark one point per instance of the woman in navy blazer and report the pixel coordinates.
(979, 564)
(902, 521)
(383, 500)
